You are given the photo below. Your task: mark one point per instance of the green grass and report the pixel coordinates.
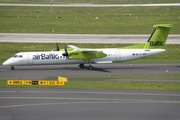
(82, 20)
(92, 1)
(113, 85)
(171, 55)
(159, 76)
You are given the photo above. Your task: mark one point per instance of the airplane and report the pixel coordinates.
(74, 55)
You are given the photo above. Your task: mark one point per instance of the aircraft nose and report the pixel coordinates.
(7, 62)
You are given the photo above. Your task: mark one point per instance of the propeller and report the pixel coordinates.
(57, 47)
(65, 52)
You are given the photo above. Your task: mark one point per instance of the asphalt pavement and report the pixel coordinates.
(81, 38)
(118, 69)
(82, 104)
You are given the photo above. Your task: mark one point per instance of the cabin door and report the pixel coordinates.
(30, 59)
(118, 56)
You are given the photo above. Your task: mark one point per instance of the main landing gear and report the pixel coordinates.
(81, 65)
(12, 68)
(89, 67)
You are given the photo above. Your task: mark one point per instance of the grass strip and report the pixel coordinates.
(161, 76)
(89, 1)
(87, 20)
(111, 85)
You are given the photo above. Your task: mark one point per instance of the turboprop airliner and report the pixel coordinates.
(74, 55)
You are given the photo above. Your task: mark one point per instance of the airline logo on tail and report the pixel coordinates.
(158, 37)
(157, 43)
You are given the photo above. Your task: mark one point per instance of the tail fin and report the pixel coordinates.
(158, 36)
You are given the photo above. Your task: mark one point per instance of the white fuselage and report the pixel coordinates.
(56, 57)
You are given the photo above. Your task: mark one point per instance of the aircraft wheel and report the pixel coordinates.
(90, 67)
(81, 65)
(12, 68)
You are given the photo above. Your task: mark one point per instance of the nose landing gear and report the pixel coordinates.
(12, 68)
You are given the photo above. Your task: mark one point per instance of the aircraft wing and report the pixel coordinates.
(73, 47)
(82, 50)
(84, 54)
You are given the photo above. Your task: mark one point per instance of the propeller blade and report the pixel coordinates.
(57, 47)
(65, 49)
(65, 52)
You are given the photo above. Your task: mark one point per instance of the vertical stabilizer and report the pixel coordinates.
(157, 40)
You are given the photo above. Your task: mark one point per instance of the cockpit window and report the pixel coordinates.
(17, 56)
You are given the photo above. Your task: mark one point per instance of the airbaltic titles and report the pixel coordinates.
(46, 56)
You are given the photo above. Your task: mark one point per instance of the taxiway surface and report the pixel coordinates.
(62, 4)
(47, 72)
(73, 104)
(81, 38)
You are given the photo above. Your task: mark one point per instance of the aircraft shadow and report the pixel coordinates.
(76, 68)
(98, 69)
(64, 68)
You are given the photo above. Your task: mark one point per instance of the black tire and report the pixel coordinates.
(12, 68)
(81, 65)
(90, 68)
